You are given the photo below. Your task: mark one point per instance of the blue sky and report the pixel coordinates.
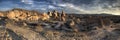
(70, 6)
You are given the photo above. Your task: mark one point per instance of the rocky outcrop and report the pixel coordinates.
(1, 14)
(33, 18)
(27, 15)
(44, 16)
(19, 14)
(63, 15)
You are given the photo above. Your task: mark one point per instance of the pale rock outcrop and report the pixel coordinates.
(44, 16)
(33, 18)
(19, 14)
(1, 14)
(11, 15)
(55, 14)
(63, 15)
(22, 15)
(50, 13)
(16, 15)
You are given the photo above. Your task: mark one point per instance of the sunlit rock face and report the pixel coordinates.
(33, 18)
(19, 14)
(44, 16)
(13, 14)
(16, 14)
(1, 14)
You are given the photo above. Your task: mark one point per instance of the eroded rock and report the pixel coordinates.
(44, 16)
(19, 14)
(1, 14)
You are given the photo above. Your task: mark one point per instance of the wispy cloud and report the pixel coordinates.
(96, 7)
(27, 1)
(71, 6)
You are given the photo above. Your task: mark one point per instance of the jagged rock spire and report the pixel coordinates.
(1, 14)
(55, 14)
(44, 16)
(63, 15)
(50, 13)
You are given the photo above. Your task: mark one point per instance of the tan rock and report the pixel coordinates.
(33, 18)
(17, 13)
(14, 15)
(73, 26)
(50, 13)
(11, 15)
(20, 15)
(26, 15)
(63, 19)
(63, 14)
(44, 16)
(22, 18)
(1, 14)
(78, 19)
(55, 14)
(72, 23)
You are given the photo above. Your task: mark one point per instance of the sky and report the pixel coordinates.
(70, 6)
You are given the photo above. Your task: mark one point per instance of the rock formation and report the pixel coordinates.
(34, 18)
(63, 15)
(50, 14)
(19, 14)
(31, 25)
(44, 16)
(1, 14)
(55, 14)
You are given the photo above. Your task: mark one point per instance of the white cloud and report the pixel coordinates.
(98, 8)
(27, 1)
(91, 9)
(50, 6)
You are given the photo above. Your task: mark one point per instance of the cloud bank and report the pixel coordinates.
(70, 6)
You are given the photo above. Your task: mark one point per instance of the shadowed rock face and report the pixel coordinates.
(20, 24)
